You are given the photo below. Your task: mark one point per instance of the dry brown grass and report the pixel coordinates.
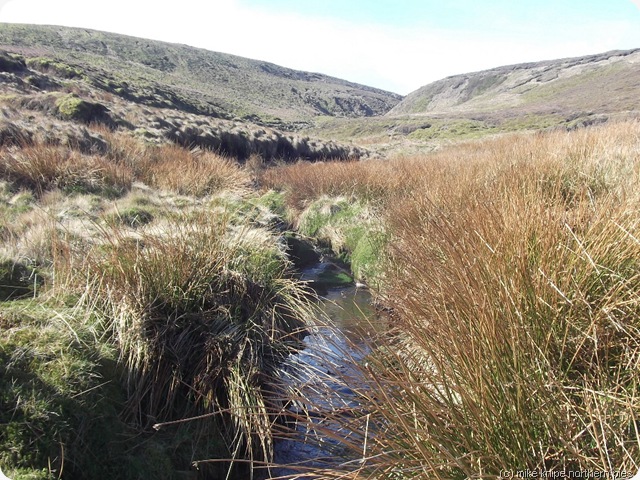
(43, 167)
(513, 281)
(40, 168)
(372, 180)
(197, 173)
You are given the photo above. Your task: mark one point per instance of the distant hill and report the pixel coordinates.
(567, 93)
(168, 92)
(597, 84)
(195, 80)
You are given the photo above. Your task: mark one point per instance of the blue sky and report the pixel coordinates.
(398, 45)
(458, 14)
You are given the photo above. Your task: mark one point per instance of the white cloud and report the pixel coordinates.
(400, 60)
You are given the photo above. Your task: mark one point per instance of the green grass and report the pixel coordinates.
(57, 407)
(392, 134)
(17, 280)
(71, 107)
(330, 278)
(461, 129)
(61, 69)
(349, 229)
(133, 217)
(61, 403)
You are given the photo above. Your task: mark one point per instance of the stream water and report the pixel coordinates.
(324, 376)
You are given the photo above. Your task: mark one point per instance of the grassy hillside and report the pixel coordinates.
(566, 93)
(597, 84)
(240, 106)
(196, 80)
(46, 99)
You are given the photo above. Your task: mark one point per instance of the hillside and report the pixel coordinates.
(605, 83)
(196, 80)
(57, 84)
(237, 106)
(565, 93)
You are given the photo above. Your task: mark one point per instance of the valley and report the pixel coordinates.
(177, 227)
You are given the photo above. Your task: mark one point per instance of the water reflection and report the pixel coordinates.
(351, 313)
(324, 379)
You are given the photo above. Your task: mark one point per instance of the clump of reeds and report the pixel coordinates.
(202, 315)
(41, 167)
(513, 285)
(173, 168)
(370, 180)
(516, 306)
(197, 173)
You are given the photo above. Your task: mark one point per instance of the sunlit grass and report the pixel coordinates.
(164, 260)
(512, 281)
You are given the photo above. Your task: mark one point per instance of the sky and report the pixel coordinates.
(396, 45)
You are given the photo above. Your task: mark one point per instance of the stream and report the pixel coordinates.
(322, 374)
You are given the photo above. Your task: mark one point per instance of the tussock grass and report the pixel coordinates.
(196, 173)
(370, 180)
(202, 316)
(177, 273)
(517, 342)
(516, 298)
(41, 168)
(513, 284)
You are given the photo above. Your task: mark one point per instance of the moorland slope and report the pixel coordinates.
(196, 80)
(564, 93)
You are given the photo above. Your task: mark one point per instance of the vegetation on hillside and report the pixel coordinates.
(47, 101)
(563, 86)
(193, 80)
(564, 94)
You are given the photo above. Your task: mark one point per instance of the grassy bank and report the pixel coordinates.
(512, 278)
(147, 300)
